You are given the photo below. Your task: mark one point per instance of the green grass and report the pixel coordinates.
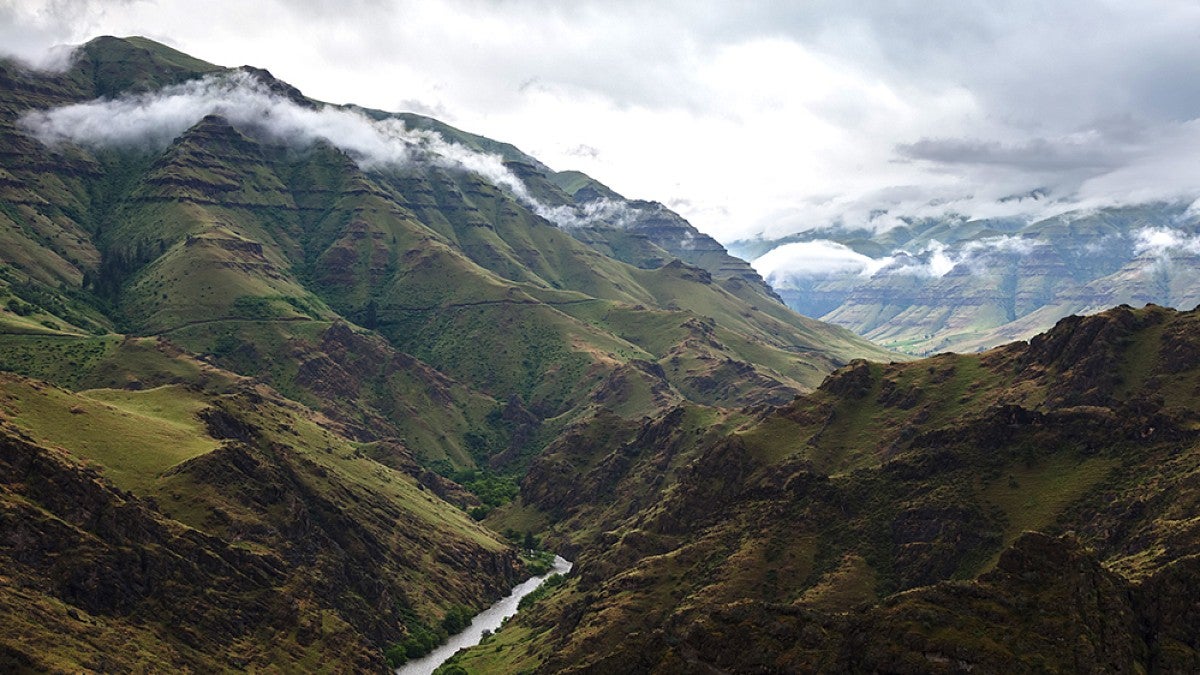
(852, 582)
(776, 438)
(507, 651)
(1139, 359)
(169, 403)
(517, 516)
(63, 360)
(111, 361)
(346, 460)
(1031, 497)
(134, 436)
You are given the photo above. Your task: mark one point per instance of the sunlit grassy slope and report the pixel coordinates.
(257, 354)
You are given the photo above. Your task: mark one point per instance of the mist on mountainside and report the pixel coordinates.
(294, 386)
(151, 121)
(306, 352)
(957, 284)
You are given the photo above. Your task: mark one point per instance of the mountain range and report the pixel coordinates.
(293, 386)
(960, 284)
(1028, 509)
(268, 352)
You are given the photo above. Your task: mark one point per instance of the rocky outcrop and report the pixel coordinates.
(71, 538)
(875, 525)
(1048, 605)
(969, 286)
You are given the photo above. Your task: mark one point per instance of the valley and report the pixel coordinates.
(291, 386)
(965, 285)
(288, 354)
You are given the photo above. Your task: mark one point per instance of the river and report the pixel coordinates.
(488, 619)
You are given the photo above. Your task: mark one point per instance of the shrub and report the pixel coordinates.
(552, 582)
(396, 655)
(421, 640)
(539, 562)
(253, 307)
(456, 619)
(530, 542)
(19, 308)
(225, 344)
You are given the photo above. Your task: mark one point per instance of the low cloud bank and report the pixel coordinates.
(597, 212)
(32, 32)
(813, 259)
(789, 266)
(1162, 241)
(786, 265)
(154, 120)
(1031, 180)
(52, 60)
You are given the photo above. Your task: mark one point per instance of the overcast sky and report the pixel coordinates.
(745, 117)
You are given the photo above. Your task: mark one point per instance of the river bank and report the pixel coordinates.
(489, 619)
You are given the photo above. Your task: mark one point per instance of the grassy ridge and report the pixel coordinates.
(249, 470)
(894, 493)
(267, 354)
(135, 436)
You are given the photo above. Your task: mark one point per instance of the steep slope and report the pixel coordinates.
(250, 355)
(968, 285)
(220, 527)
(876, 524)
(250, 247)
(52, 201)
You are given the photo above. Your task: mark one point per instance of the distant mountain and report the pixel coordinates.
(951, 284)
(287, 386)
(252, 341)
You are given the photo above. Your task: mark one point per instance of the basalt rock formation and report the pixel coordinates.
(1021, 510)
(257, 391)
(949, 284)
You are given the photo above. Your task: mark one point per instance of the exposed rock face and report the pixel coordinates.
(648, 234)
(89, 555)
(282, 556)
(876, 525)
(667, 230)
(966, 286)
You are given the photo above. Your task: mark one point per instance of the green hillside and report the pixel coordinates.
(883, 522)
(215, 525)
(241, 372)
(288, 402)
(241, 248)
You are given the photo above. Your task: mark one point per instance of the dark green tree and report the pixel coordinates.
(371, 315)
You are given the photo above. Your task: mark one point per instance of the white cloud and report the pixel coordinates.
(608, 212)
(1161, 241)
(782, 265)
(1003, 244)
(786, 264)
(768, 117)
(155, 119)
(939, 263)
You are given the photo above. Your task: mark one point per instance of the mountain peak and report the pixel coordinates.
(134, 64)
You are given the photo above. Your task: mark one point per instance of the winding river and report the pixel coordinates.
(488, 619)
